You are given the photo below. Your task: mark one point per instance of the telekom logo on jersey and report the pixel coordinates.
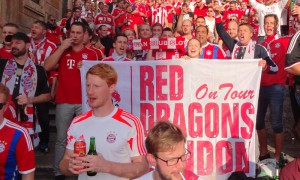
(70, 63)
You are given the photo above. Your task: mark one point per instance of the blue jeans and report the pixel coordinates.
(272, 97)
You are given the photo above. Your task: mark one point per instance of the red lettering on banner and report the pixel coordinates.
(247, 108)
(195, 122)
(147, 86)
(146, 83)
(147, 115)
(162, 111)
(176, 83)
(219, 154)
(236, 94)
(241, 156)
(211, 109)
(179, 117)
(203, 91)
(160, 82)
(233, 122)
(205, 157)
(227, 146)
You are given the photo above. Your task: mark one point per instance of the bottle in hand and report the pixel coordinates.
(92, 151)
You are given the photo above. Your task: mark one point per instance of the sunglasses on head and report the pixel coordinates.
(1, 105)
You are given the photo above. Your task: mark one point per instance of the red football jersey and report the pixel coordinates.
(54, 35)
(5, 53)
(38, 52)
(277, 47)
(212, 51)
(16, 151)
(69, 83)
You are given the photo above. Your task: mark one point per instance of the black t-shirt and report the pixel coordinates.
(42, 81)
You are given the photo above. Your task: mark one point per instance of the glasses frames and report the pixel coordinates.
(174, 161)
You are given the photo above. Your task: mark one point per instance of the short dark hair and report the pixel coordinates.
(206, 27)
(272, 15)
(119, 35)
(167, 29)
(95, 38)
(101, 26)
(156, 24)
(76, 8)
(90, 31)
(21, 36)
(41, 23)
(248, 25)
(79, 24)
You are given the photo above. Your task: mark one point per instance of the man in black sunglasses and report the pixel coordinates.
(165, 145)
(16, 152)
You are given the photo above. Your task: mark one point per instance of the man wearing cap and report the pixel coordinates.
(27, 83)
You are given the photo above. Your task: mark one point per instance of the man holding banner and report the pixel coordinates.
(244, 47)
(119, 135)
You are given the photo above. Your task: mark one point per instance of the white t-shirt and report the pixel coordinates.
(119, 136)
(263, 10)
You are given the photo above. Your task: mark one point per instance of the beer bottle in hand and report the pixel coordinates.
(92, 151)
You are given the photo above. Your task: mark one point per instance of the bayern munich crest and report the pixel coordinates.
(2, 146)
(27, 82)
(84, 56)
(208, 53)
(10, 69)
(277, 45)
(111, 137)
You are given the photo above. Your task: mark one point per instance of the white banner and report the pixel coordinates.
(213, 102)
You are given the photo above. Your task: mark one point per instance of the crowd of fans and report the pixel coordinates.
(104, 31)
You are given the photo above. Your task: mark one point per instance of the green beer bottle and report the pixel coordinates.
(92, 151)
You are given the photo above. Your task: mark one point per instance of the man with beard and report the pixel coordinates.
(119, 135)
(166, 152)
(27, 84)
(68, 96)
(54, 33)
(120, 46)
(5, 50)
(40, 49)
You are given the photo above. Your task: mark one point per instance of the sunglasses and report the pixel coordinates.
(53, 20)
(1, 105)
(232, 19)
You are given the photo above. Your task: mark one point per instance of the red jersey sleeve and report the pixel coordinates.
(25, 154)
